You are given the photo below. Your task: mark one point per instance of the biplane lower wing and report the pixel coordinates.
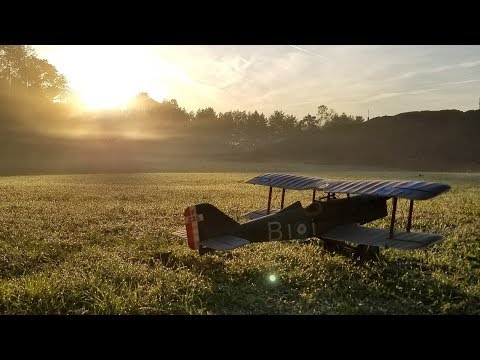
(380, 237)
(224, 242)
(259, 213)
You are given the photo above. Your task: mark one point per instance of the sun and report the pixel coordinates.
(103, 98)
(107, 77)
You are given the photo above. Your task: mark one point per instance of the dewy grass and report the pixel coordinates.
(102, 244)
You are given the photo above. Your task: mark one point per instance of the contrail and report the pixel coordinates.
(308, 51)
(435, 70)
(413, 92)
(457, 82)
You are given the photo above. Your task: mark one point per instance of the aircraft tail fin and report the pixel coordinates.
(204, 222)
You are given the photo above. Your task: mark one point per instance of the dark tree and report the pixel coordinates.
(256, 127)
(309, 123)
(324, 114)
(281, 125)
(142, 102)
(226, 125)
(344, 120)
(23, 73)
(205, 119)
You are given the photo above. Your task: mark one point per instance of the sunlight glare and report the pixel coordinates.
(107, 77)
(272, 278)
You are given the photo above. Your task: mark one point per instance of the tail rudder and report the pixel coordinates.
(203, 221)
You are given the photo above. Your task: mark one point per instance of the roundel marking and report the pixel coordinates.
(301, 229)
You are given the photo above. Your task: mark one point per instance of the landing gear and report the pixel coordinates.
(364, 253)
(204, 250)
(334, 246)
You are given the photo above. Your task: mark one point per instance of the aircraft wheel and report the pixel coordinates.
(364, 253)
(333, 246)
(204, 250)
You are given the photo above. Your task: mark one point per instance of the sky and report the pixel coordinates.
(355, 79)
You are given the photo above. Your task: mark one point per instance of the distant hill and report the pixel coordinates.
(446, 140)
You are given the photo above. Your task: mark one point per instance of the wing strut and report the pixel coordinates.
(283, 199)
(313, 198)
(410, 212)
(269, 200)
(394, 211)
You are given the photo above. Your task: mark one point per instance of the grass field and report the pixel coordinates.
(102, 244)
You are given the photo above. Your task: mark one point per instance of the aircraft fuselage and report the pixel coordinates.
(297, 222)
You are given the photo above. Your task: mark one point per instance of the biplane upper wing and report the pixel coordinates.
(286, 181)
(412, 190)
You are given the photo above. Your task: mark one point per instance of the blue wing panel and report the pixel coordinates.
(413, 190)
(285, 181)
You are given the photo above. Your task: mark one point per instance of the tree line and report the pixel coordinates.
(238, 127)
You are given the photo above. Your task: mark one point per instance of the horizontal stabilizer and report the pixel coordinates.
(224, 242)
(258, 214)
(380, 237)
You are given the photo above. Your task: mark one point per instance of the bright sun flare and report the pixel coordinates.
(106, 99)
(106, 77)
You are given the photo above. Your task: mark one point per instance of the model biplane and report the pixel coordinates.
(336, 217)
